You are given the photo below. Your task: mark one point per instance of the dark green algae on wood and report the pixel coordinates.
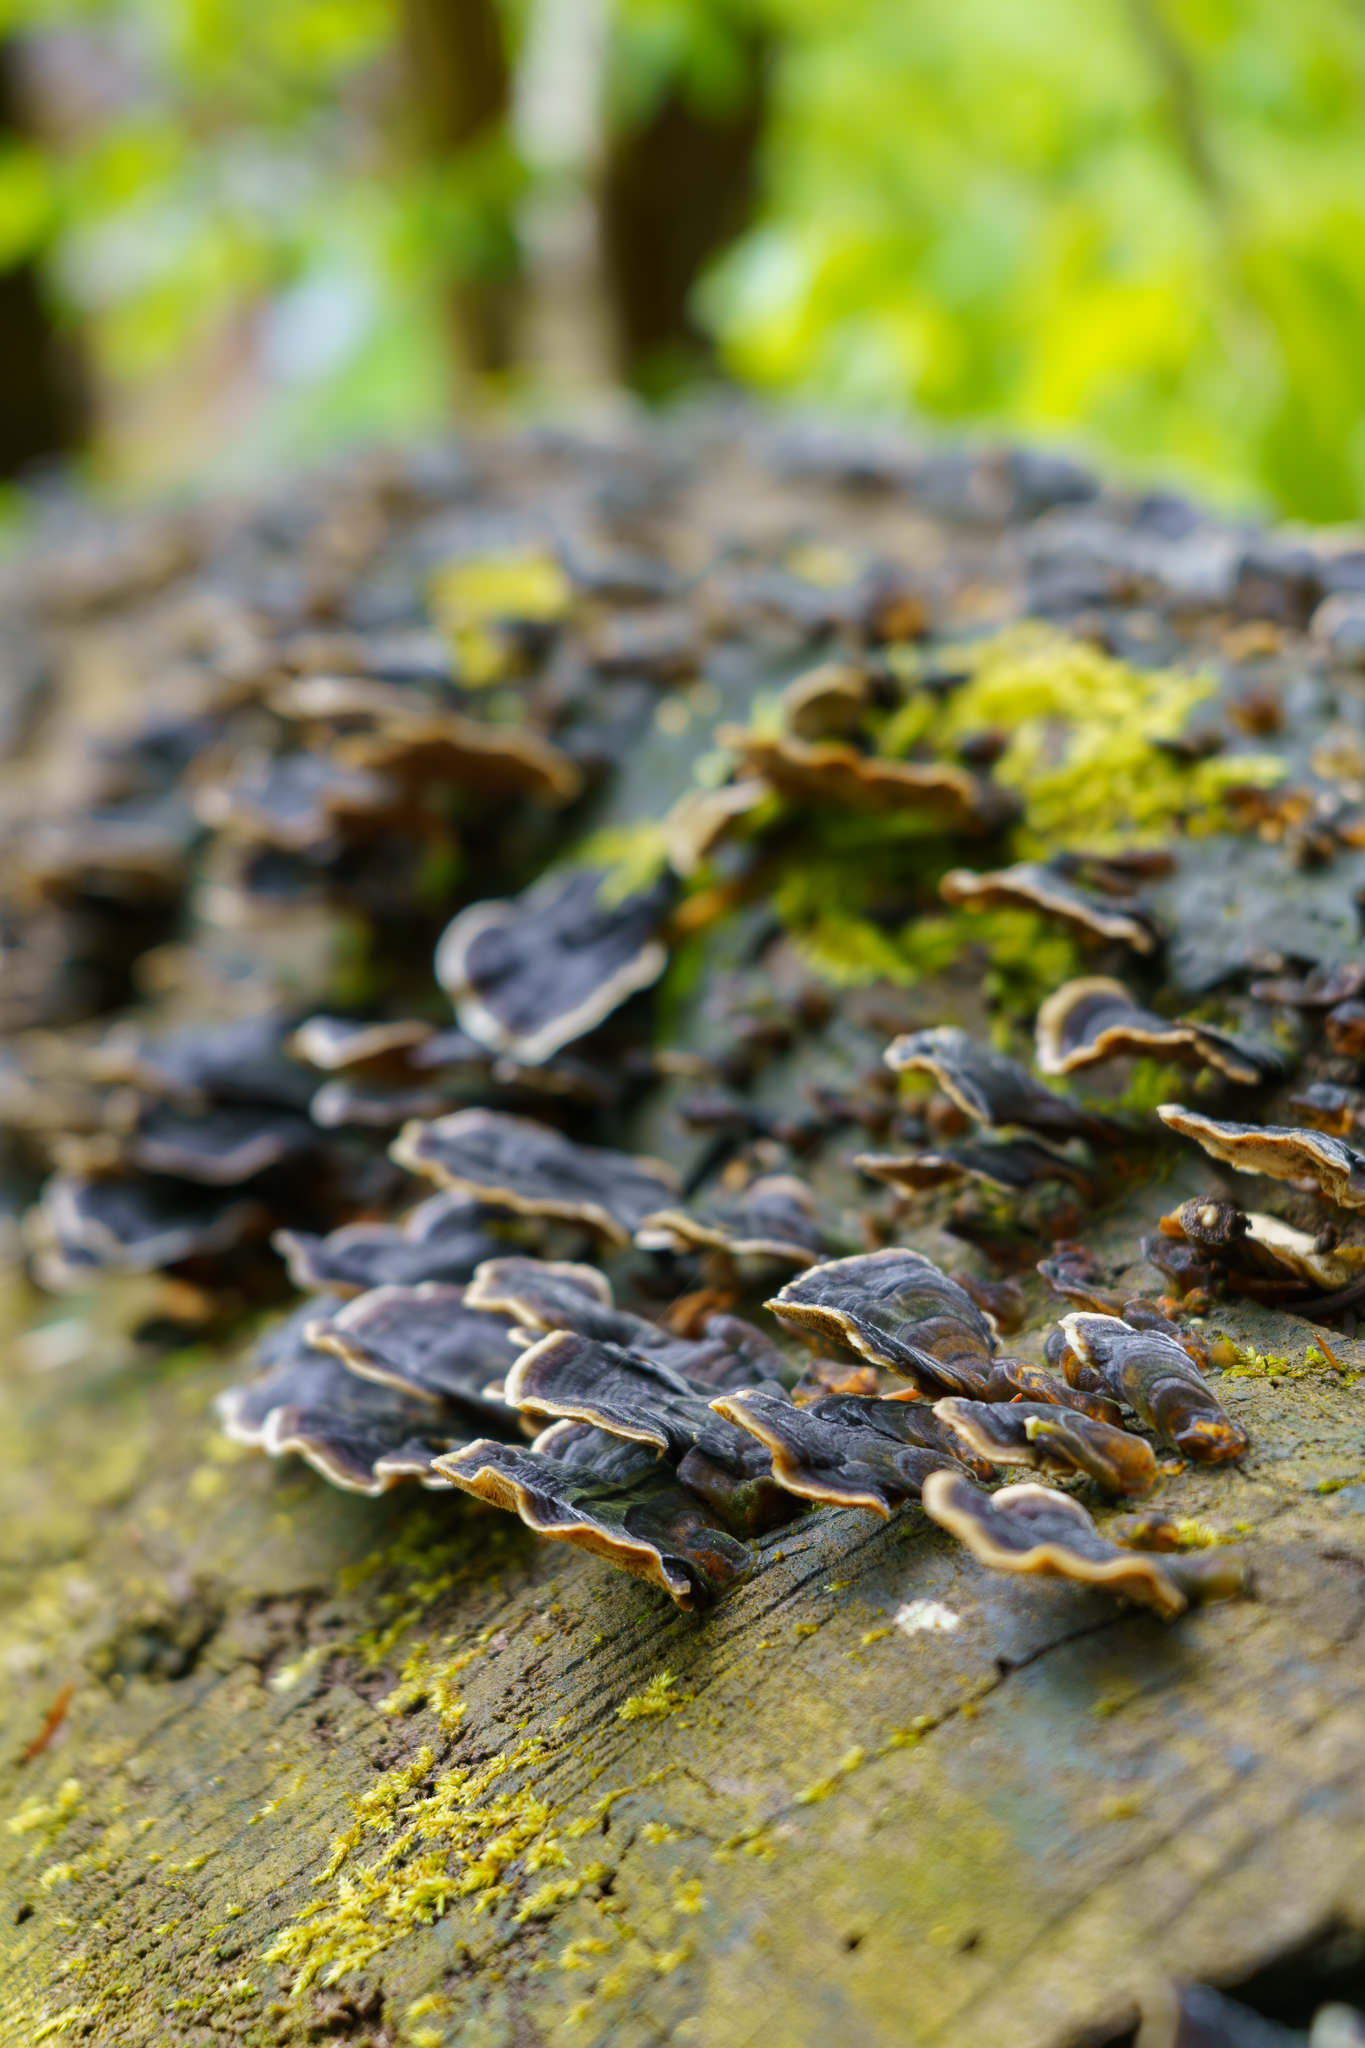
(344, 1769)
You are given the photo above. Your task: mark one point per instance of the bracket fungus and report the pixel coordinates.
(1255, 1254)
(1033, 885)
(1094, 1019)
(422, 1340)
(115, 1224)
(344, 733)
(844, 1451)
(1014, 1164)
(1156, 1377)
(533, 975)
(1052, 1439)
(627, 1395)
(989, 1087)
(895, 1309)
(509, 1162)
(1276, 1150)
(648, 1525)
(1035, 1531)
(362, 1436)
(443, 1238)
(832, 772)
(771, 1221)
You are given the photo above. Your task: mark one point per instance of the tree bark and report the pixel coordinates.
(459, 91)
(43, 411)
(803, 1817)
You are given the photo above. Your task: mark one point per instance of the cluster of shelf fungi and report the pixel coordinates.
(420, 687)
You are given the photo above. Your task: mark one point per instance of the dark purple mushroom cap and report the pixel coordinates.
(1035, 1531)
(988, 1087)
(1051, 1439)
(442, 1239)
(1331, 1107)
(1094, 1018)
(530, 976)
(509, 1162)
(581, 1379)
(772, 1220)
(549, 1294)
(222, 1147)
(423, 1341)
(137, 1225)
(1072, 1271)
(1277, 1151)
(648, 1525)
(1031, 885)
(300, 803)
(243, 1061)
(820, 1454)
(896, 1309)
(1013, 1163)
(363, 1437)
(1160, 1382)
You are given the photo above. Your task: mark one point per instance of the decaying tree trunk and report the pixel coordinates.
(877, 1795)
(284, 1765)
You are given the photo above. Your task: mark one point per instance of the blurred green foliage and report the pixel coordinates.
(1133, 225)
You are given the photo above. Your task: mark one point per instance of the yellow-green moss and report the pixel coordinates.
(1081, 753)
(658, 1698)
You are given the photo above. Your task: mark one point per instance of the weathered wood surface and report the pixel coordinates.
(837, 1830)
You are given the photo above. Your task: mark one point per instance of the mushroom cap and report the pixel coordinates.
(510, 1162)
(299, 803)
(773, 1219)
(222, 1146)
(648, 1525)
(988, 1087)
(362, 1436)
(424, 1341)
(821, 1454)
(1052, 1439)
(895, 1308)
(1159, 1380)
(339, 1044)
(831, 772)
(1033, 885)
(442, 1239)
(1094, 1018)
(1036, 1531)
(1276, 1150)
(533, 974)
(1013, 1163)
(132, 1224)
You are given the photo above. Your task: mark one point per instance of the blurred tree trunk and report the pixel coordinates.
(560, 125)
(675, 190)
(42, 411)
(459, 85)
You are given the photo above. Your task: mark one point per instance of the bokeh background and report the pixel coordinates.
(239, 231)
